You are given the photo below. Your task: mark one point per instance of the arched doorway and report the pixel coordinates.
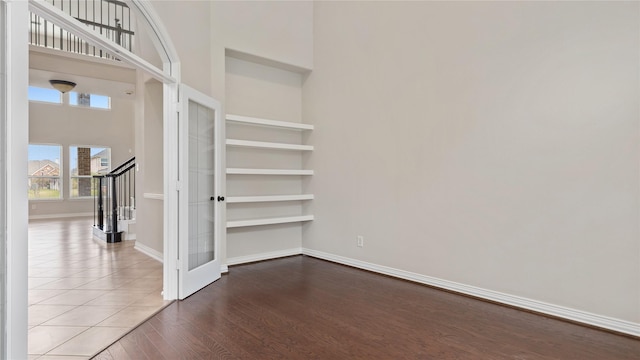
(14, 215)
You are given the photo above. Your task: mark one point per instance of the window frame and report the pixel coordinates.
(72, 177)
(60, 176)
(78, 105)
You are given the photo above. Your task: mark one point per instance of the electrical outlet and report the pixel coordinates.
(360, 240)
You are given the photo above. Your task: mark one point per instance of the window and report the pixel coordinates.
(45, 95)
(90, 100)
(86, 161)
(44, 171)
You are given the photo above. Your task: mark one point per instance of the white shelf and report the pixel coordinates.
(268, 122)
(240, 171)
(282, 125)
(268, 145)
(268, 221)
(253, 199)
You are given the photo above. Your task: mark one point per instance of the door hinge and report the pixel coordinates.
(178, 264)
(179, 185)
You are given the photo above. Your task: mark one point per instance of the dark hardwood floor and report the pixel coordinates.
(305, 308)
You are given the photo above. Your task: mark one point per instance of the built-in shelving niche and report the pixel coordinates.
(269, 151)
(263, 181)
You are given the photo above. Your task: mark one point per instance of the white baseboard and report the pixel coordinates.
(605, 322)
(156, 255)
(59, 216)
(263, 256)
(149, 251)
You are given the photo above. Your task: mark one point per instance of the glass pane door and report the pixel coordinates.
(201, 185)
(200, 226)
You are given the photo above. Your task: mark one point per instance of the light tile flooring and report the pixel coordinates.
(83, 293)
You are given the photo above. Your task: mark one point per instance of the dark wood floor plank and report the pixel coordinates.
(287, 302)
(131, 346)
(305, 308)
(237, 339)
(178, 334)
(163, 349)
(114, 352)
(325, 332)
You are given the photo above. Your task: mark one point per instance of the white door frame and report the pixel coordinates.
(14, 151)
(16, 117)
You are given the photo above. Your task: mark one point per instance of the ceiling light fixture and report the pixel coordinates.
(62, 85)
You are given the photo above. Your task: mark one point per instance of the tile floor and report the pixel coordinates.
(83, 293)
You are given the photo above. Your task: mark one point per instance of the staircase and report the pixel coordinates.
(128, 226)
(114, 215)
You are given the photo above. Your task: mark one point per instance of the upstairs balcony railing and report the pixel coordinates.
(115, 200)
(112, 18)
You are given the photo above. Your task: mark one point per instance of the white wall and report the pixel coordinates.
(493, 144)
(149, 177)
(144, 46)
(188, 23)
(67, 125)
(72, 126)
(276, 30)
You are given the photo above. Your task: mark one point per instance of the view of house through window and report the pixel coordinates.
(45, 171)
(89, 100)
(86, 161)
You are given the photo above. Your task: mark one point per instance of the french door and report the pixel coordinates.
(200, 200)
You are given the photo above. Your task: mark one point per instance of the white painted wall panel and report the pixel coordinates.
(149, 177)
(275, 30)
(489, 144)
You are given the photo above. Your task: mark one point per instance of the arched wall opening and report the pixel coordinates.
(13, 154)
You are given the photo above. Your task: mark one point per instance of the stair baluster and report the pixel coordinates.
(114, 201)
